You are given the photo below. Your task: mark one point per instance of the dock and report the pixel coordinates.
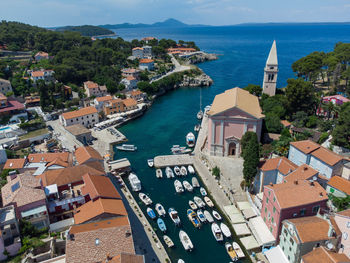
(173, 160)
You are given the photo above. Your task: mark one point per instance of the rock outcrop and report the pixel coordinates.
(196, 81)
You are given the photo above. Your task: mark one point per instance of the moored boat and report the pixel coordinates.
(217, 232)
(180, 261)
(151, 213)
(201, 216)
(183, 171)
(187, 186)
(203, 192)
(150, 162)
(199, 202)
(127, 147)
(192, 205)
(161, 225)
(185, 240)
(174, 216)
(159, 173)
(231, 252)
(145, 199)
(178, 186)
(190, 169)
(216, 215)
(238, 250)
(190, 139)
(169, 172)
(208, 216)
(160, 209)
(200, 115)
(197, 127)
(168, 241)
(177, 171)
(134, 182)
(208, 201)
(192, 216)
(225, 230)
(195, 182)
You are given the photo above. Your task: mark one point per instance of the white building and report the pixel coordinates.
(87, 117)
(5, 86)
(147, 51)
(41, 55)
(129, 83)
(146, 64)
(270, 72)
(100, 101)
(93, 89)
(137, 52)
(46, 75)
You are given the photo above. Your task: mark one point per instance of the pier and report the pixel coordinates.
(173, 160)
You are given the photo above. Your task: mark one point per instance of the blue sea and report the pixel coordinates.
(243, 52)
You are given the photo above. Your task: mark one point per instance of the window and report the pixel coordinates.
(274, 209)
(267, 200)
(274, 199)
(285, 232)
(315, 209)
(269, 193)
(332, 190)
(302, 211)
(348, 224)
(265, 209)
(272, 220)
(264, 219)
(345, 236)
(291, 241)
(13, 226)
(271, 229)
(71, 120)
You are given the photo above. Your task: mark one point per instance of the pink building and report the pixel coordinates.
(335, 99)
(290, 200)
(343, 221)
(232, 114)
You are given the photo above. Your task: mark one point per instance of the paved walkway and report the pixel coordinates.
(106, 140)
(66, 139)
(172, 160)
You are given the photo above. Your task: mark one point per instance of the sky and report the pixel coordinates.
(210, 12)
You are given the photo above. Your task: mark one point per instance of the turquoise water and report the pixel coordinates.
(244, 50)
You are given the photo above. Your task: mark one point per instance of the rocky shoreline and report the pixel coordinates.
(196, 81)
(201, 57)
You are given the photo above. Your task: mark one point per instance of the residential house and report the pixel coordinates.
(45, 75)
(131, 72)
(96, 186)
(129, 82)
(338, 186)
(87, 117)
(291, 200)
(100, 101)
(87, 154)
(181, 50)
(342, 220)
(25, 193)
(41, 55)
(113, 106)
(303, 172)
(10, 235)
(137, 95)
(346, 171)
(272, 171)
(146, 63)
(300, 236)
(93, 89)
(125, 258)
(147, 51)
(337, 100)
(147, 39)
(80, 133)
(137, 52)
(231, 115)
(286, 124)
(3, 101)
(129, 104)
(11, 107)
(32, 101)
(5, 86)
(16, 164)
(324, 255)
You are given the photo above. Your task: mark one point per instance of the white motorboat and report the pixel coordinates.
(197, 128)
(168, 241)
(183, 171)
(238, 250)
(231, 252)
(208, 201)
(192, 205)
(195, 182)
(201, 216)
(159, 173)
(150, 162)
(225, 230)
(178, 186)
(174, 216)
(160, 209)
(127, 147)
(185, 240)
(134, 182)
(169, 172)
(216, 215)
(208, 216)
(217, 232)
(177, 171)
(200, 115)
(187, 186)
(199, 202)
(145, 199)
(203, 192)
(180, 261)
(190, 169)
(190, 139)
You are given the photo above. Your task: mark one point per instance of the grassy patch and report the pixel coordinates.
(34, 134)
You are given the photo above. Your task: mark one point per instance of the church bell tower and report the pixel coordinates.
(270, 72)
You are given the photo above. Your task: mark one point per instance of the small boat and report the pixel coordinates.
(201, 216)
(225, 230)
(177, 171)
(203, 192)
(151, 213)
(174, 216)
(200, 115)
(150, 162)
(161, 225)
(192, 216)
(195, 182)
(134, 182)
(208, 216)
(145, 199)
(192, 205)
(208, 201)
(187, 186)
(180, 261)
(159, 173)
(160, 209)
(127, 147)
(216, 215)
(231, 252)
(168, 241)
(178, 186)
(217, 232)
(185, 240)
(238, 250)
(199, 202)
(183, 171)
(197, 128)
(190, 169)
(190, 139)
(169, 172)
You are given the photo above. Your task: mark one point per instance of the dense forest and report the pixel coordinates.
(86, 30)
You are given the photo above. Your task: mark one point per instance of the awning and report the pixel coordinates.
(249, 242)
(234, 214)
(34, 211)
(261, 231)
(276, 255)
(241, 229)
(243, 205)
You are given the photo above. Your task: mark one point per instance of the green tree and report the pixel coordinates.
(254, 89)
(273, 123)
(250, 154)
(216, 172)
(341, 132)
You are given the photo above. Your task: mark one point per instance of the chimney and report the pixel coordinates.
(321, 194)
(271, 184)
(305, 168)
(312, 183)
(296, 182)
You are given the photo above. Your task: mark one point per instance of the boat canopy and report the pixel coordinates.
(261, 232)
(275, 255)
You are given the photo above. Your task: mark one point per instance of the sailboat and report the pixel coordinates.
(200, 113)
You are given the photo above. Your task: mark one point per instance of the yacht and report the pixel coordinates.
(192, 216)
(169, 172)
(127, 147)
(159, 173)
(177, 171)
(225, 230)
(190, 139)
(145, 199)
(200, 115)
(195, 182)
(190, 169)
(187, 186)
(134, 182)
(183, 171)
(199, 202)
(178, 186)
(217, 232)
(208, 216)
(150, 162)
(203, 192)
(174, 216)
(160, 209)
(185, 240)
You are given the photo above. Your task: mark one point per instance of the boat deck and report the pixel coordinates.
(172, 160)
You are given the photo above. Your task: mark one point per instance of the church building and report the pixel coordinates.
(270, 72)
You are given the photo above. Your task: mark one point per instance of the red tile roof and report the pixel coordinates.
(126, 258)
(282, 164)
(90, 85)
(99, 186)
(303, 172)
(322, 255)
(14, 163)
(340, 184)
(146, 61)
(12, 105)
(327, 156)
(87, 153)
(48, 157)
(79, 113)
(137, 48)
(305, 146)
(129, 102)
(344, 213)
(105, 98)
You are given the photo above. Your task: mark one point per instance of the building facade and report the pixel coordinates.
(113, 107)
(87, 117)
(342, 220)
(146, 64)
(93, 89)
(270, 72)
(5, 86)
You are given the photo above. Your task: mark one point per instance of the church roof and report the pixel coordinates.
(272, 59)
(236, 98)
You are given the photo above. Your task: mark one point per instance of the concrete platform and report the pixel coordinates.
(172, 160)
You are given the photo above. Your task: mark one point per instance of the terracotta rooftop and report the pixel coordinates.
(48, 157)
(99, 186)
(298, 193)
(12, 105)
(14, 163)
(305, 146)
(107, 223)
(130, 78)
(79, 113)
(340, 184)
(327, 156)
(42, 54)
(129, 102)
(86, 153)
(90, 85)
(105, 98)
(236, 98)
(322, 255)
(282, 164)
(303, 172)
(137, 48)
(58, 162)
(338, 97)
(146, 61)
(37, 74)
(344, 213)
(92, 209)
(135, 92)
(130, 70)
(126, 258)
(285, 123)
